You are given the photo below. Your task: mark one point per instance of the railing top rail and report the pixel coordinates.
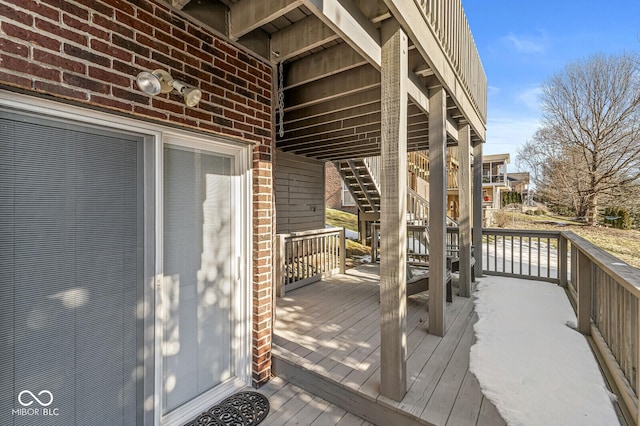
(626, 275)
(522, 232)
(312, 233)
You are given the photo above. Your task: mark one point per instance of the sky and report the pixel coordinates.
(522, 43)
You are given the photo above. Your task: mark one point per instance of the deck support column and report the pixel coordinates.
(464, 188)
(393, 206)
(477, 207)
(437, 209)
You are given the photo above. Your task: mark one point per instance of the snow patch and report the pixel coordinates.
(529, 359)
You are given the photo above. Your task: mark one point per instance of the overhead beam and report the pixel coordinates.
(331, 117)
(325, 131)
(345, 19)
(247, 15)
(325, 63)
(300, 37)
(335, 106)
(347, 154)
(415, 134)
(179, 4)
(345, 84)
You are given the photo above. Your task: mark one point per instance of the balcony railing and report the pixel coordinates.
(449, 22)
(306, 257)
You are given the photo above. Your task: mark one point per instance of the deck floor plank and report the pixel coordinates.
(444, 395)
(339, 338)
(489, 415)
(467, 405)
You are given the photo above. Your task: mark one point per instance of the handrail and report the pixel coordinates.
(373, 165)
(306, 257)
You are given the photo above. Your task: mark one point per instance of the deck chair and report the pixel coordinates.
(419, 282)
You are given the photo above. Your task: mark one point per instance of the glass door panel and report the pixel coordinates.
(197, 316)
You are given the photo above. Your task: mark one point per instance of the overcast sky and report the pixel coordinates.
(523, 42)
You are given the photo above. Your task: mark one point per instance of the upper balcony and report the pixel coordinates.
(494, 170)
(328, 58)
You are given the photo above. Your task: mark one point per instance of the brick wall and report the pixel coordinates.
(333, 190)
(92, 54)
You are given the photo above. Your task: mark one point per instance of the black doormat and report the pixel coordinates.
(240, 409)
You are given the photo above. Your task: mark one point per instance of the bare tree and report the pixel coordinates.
(589, 144)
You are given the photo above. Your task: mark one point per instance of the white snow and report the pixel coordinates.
(530, 363)
(348, 233)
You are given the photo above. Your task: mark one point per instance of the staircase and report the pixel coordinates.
(361, 176)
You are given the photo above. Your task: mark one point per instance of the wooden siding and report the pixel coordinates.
(299, 193)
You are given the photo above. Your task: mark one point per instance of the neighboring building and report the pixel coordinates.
(519, 182)
(138, 226)
(494, 179)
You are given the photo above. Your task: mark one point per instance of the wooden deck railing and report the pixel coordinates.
(306, 257)
(521, 253)
(604, 290)
(449, 22)
(417, 243)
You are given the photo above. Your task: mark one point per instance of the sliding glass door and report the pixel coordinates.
(199, 254)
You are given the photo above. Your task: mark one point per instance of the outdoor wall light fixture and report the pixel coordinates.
(160, 81)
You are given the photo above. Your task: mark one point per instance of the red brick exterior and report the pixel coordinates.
(333, 189)
(91, 55)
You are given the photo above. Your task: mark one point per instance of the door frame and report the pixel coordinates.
(241, 296)
(155, 135)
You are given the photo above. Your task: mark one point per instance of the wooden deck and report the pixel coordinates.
(327, 341)
(291, 405)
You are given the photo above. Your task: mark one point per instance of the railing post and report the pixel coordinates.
(343, 251)
(584, 293)
(280, 264)
(562, 260)
(374, 243)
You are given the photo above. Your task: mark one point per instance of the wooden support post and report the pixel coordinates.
(393, 307)
(464, 191)
(477, 207)
(584, 293)
(437, 210)
(562, 260)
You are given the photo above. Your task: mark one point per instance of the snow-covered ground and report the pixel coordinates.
(530, 362)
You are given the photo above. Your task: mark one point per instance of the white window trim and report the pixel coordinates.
(157, 134)
(343, 199)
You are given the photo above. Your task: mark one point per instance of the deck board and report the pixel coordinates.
(331, 328)
(291, 405)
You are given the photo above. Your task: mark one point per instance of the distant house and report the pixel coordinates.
(495, 179)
